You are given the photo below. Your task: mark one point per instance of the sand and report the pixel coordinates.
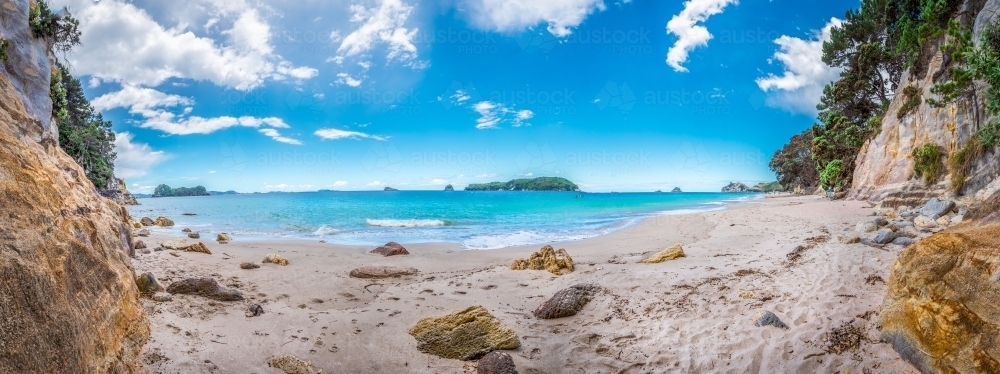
(689, 315)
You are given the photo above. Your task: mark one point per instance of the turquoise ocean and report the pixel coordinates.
(476, 220)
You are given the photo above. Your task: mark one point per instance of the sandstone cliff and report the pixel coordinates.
(117, 192)
(885, 164)
(68, 299)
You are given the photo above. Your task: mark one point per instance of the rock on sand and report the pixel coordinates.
(567, 302)
(671, 253)
(546, 259)
(381, 271)
(204, 287)
(463, 335)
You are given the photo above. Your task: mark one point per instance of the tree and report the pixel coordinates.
(793, 164)
(84, 134)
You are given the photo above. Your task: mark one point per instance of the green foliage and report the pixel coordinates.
(833, 174)
(165, 191)
(793, 164)
(767, 187)
(83, 134)
(536, 184)
(63, 29)
(912, 96)
(3, 49)
(958, 46)
(928, 162)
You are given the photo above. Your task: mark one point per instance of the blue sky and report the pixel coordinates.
(620, 95)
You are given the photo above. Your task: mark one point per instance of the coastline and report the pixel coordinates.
(694, 314)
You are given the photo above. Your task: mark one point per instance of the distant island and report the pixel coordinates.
(165, 191)
(760, 187)
(389, 189)
(230, 192)
(449, 188)
(676, 190)
(535, 184)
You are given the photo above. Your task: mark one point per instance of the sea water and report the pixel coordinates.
(477, 220)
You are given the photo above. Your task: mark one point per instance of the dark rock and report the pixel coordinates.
(142, 233)
(496, 362)
(204, 287)
(936, 208)
(768, 319)
(903, 241)
(390, 189)
(249, 265)
(139, 244)
(254, 310)
(884, 237)
(391, 249)
(148, 284)
(880, 222)
(146, 221)
(676, 190)
(449, 188)
(194, 235)
(567, 302)
(189, 214)
(186, 230)
(158, 249)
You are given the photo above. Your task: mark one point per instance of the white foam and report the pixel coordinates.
(406, 222)
(325, 230)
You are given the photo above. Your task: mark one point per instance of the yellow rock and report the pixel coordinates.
(671, 253)
(464, 335)
(275, 259)
(291, 365)
(546, 259)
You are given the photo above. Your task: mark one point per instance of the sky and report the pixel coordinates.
(615, 95)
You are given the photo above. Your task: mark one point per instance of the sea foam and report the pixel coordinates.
(407, 222)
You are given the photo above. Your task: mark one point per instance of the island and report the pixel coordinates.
(165, 191)
(230, 192)
(535, 184)
(449, 188)
(390, 189)
(760, 187)
(676, 190)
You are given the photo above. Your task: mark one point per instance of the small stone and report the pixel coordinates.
(880, 222)
(291, 365)
(671, 253)
(391, 249)
(223, 238)
(249, 265)
(924, 222)
(194, 235)
(148, 284)
(903, 241)
(866, 226)
(275, 259)
(139, 244)
(162, 297)
(254, 310)
(850, 239)
(943, 221)
(142, 233)
(884, 237)
(186, 230)
(496, 362)
(158, 249)
(767, 318)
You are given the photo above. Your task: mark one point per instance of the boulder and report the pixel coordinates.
(884, 237)
(276, 259)
(568, 302)
(391, 249)
(671, 253)
(546, 259)
(463, 335)
(866, 226)
(143, 233)
(940, 310)
(381, 271)
(223, 238)
(136, 225)
(903, 241)
(163, 222)
(879, 222)
(767, 318)
(291, 365)
(139, 244)
(496, 362)
(204, 287)
(924, 222)
(936, 208)
(162, 297)
(181, 245)
(957, 219)
(186, 230)
(249, 265)
(194, 235)
(148, 284)
(146, 221)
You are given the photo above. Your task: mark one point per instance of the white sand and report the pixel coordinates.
(685, 315)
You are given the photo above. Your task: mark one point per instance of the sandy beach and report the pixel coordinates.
(690, 315)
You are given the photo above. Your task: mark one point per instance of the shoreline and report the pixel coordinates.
(693, 314)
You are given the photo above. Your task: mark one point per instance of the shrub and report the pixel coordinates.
(832, 174)
(3, 49)
(912, 96)
(57, 92)
(63, 29)
(927, 162)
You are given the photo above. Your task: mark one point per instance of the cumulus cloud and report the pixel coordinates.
(274, 134)
(375, 184)
(134, 159)
(125, 44)
(336, 134)
(690, 34)
(155, 108)
(344, 78)
(560, 16)
(438, 182)
(492, 114)
(521, 116)
(339, 184)
(800, 87)
(382, 25)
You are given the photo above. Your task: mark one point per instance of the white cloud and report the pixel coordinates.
(438, 182)
(375, 184)
(344, 78)
(489, 114)
(689, 34)
(487, 175)
(461, 96)
(336, 134)
(134, 159)
(521, 116)
(139, 100)
(211, 171)
(339, 184)
(384, 23)
(274, 134)
(288, 187)
(561, 16)
(800, 87)
(125, 44)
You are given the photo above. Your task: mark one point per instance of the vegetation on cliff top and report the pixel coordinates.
(83, 132)
(165, 191)
(536, 184)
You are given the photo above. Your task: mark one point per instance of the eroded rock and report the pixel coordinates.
(381, 271)
(254, 310)
(204, 287)
(249, 266)
(148, 284)
(276, 259)
(163, 222)
(548, 259)
(767, 318)
(223, 238)
(463, 335)
(146, 221)
(496, 362)
(391, 249)
(291, 365)
(182, 245)
(568, 302)
(671, 253)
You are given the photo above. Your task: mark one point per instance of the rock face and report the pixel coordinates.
(204, 287)
(735, 187)
(496, 362)
(391, 249)
(940, 312)
(275, 259)
(463, 335)
(546, 259)
(568, 302)
(68, 298)
(671, 253)
(885, 164)
(117, 192)
(378, 271)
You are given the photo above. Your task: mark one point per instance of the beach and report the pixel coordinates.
(690, 315)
